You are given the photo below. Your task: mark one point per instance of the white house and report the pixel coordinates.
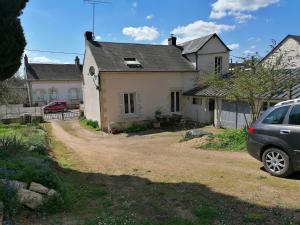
(50, 82)
(127, 83)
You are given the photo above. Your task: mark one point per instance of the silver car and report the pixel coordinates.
(274, 139)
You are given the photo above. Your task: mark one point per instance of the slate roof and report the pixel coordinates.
(196, 44)
(282, 94)
(39, 71)
(155, 58)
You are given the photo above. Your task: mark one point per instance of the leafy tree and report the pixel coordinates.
(256, 82)
(12, 40)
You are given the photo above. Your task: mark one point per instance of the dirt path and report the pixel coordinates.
(161, 158)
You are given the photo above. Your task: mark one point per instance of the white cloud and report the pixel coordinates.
(42, 59)
(248, 52)
(238, 8)
(233, 46)
(253, 46)
(141, 33)
(98, 37)
(134, 5)
(150, 17)
(198, 29)
(254, 39)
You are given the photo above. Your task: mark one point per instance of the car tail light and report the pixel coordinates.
(251, 130)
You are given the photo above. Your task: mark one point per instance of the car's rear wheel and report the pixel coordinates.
(277, 162)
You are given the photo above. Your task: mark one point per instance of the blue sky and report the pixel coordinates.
(247, 26)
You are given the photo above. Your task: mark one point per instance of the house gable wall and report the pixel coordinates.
(290, 49)
(90, 93)
(206, 57)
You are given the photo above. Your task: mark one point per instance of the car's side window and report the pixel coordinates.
(276, 116)
(294, 117)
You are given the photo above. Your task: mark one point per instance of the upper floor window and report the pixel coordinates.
(218, 65)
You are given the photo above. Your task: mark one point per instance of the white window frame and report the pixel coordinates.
(129, 103)
(175, 102)
(218, 64)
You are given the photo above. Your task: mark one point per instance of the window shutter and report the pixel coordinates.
(139, 106)
(121, 103)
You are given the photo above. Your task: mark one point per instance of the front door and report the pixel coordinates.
(211, 108)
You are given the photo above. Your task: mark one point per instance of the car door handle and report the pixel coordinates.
(285, 131)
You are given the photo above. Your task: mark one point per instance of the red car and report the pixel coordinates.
(57, 106)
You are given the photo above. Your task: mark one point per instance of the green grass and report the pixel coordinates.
(90, 124)
(229, 140)
(24, 156)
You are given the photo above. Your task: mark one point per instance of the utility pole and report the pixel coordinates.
(94, 3)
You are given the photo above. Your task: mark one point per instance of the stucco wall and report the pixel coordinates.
(90, 92)
(153, 92)
(290, 49)
(62, 88)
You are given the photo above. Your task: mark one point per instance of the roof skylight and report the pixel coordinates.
(132, 63)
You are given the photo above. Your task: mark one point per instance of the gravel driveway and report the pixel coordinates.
(161, 158)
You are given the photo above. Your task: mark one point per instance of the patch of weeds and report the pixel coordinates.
(231, 139)
(253, 218)
(10, 145)
(206, 215)
(90, 123)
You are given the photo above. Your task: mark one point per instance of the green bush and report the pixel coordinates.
(232, 139)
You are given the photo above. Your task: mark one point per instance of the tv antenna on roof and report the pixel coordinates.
(94, 3)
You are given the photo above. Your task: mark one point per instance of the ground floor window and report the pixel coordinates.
(129, 103)
(175, 101)
(197, 101)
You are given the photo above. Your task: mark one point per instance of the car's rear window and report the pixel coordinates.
(276, 116)
(294, 118)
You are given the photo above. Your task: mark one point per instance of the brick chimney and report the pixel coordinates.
(172, 40)
(89, 36)
(26, 61)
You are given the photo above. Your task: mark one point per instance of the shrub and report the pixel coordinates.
(233, 139)
(10, 200)
(134, 128)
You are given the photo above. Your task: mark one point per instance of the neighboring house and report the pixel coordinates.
(237, 114)
(50, 82)
(126, 83)
(289, 49)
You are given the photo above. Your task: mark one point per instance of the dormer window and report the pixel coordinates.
(132, 63)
